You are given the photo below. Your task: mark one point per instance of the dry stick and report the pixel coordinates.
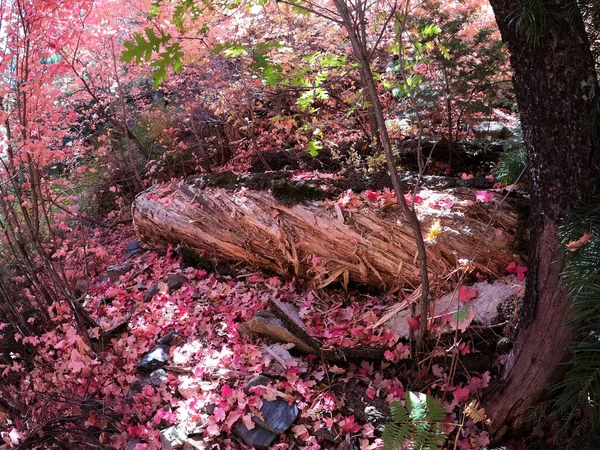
(462, 275)
(361, 54)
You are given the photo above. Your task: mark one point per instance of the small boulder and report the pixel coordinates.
(115, 271)
(175, 281)
(267, 324)
(154, 359)
(132, 443)
(133, 248)
(494, 130)
(173, 437)
(151, 292)
(276, 416)
(169, 338)
(154, 379)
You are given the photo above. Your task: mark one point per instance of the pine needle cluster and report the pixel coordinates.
(578, 394)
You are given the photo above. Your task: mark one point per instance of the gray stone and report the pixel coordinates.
(115, 271)
(168, 338)
(491, 129)
(278, 416)
(195, 443)
(258, 437)
(155, 358)
(173, 437)
(256, 380)
(132, 443)
(151, 292)
(145, 379)
(175, 281)
(133, 247)
(267, 324)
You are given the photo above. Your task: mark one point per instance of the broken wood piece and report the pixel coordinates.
(486, 305)
(267, 324)
(372, 245)
(292, 320)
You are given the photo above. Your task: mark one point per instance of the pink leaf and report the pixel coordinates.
(461, 395)
(315, 260)
(572, 246)
(226, 391)
(219, 414)
(349, 426)
(484, 196)
(465, 294)
(247, 419)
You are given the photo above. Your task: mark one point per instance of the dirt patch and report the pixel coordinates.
(364, 409)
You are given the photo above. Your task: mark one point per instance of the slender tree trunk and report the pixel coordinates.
(556, 89)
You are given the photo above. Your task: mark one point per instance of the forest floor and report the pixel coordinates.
(210, 361)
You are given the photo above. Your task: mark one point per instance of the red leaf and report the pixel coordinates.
(572, 246)
(465, 294)
(484, 196)
(349, 426)
(413, 322)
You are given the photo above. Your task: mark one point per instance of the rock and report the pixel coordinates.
(169, 338)
(115, 271)
(145, 379)
(155, 358)
(347, 445)
(267, 324)
(195, 443)
(276, 417)
(133, 248)
(494, 130)
(173, 437)
(151, 292)
(81, 288)
(175, 281)
(258, 437)
(256, 380)
(132, 443)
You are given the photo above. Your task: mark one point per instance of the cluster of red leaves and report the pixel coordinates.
(207, 312)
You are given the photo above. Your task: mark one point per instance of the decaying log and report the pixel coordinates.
(365, 243)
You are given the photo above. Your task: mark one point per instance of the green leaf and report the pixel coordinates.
(313, 147)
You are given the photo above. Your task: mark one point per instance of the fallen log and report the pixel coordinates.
(361, 241)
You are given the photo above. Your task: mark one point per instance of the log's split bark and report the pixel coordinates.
(319, 239)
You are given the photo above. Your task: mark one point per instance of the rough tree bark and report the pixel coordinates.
(556, 88)
(364, 244)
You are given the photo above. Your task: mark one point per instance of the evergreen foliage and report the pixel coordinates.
(417, 426)
(578, 393)
(511, 164)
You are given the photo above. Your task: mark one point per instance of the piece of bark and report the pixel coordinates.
(486, 305)
(290, 317)
(266, 324)
(364, 244)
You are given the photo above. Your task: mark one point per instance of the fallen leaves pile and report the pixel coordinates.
(211, 362)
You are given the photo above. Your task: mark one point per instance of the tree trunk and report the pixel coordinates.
(556, 88)
(362, 243)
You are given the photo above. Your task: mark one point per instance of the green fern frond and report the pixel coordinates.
(417, 425)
